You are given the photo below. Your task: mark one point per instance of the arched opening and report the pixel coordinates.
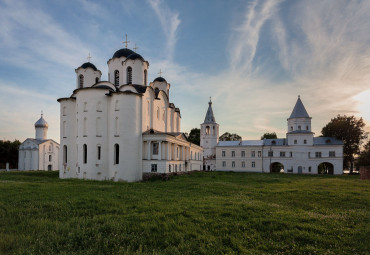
(116, 78)
(300, 169)
(65, 154)
(96, 79)
(276, 167)
(50, 167)
(129, 75)
(49, 158)
(116, 154)
(325, 168)
(207, 130)
(81, 81)
(85, 153)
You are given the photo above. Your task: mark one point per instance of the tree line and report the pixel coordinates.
(9, 154)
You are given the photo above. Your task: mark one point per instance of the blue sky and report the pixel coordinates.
(253, 57)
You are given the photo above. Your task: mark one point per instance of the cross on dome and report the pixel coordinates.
(160, 72)
(126, 42)
(89, 57)
(135, 48)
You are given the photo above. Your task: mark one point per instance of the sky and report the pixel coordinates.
(252, 57)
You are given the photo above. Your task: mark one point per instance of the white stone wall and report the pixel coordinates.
(225, 155)
(121, 64)
(48, 156)
(89, 77)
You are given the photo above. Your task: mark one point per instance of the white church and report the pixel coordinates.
(121, 128)
(39, 153)
(300, 152)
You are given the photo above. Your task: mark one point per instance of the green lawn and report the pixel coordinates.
(200, 213)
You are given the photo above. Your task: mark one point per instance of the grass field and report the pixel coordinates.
(200, 213)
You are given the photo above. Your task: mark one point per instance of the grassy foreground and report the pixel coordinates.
(200, 213)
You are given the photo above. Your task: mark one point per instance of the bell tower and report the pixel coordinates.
(209, 133)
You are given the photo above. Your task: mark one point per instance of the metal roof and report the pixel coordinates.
(228, 143)
(41, 122)
(327, 141)
(299, 111)
(209, 119)
(252, 143)
(274, 142)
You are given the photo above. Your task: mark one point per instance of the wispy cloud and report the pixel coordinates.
(169, 21)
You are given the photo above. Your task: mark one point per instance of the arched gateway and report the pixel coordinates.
(325, 168)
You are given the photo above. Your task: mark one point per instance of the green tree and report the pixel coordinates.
(351, 131)
(230, 137)
(9, 153)
(194, 136)
(364, 158)
(269, 136)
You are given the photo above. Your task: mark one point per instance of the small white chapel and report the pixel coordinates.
(39, 153)
(124, 127)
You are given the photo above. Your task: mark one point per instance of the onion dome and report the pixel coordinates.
(134, 56)
(123, 53)
(160, 79)
(87, 65)
(41, 122)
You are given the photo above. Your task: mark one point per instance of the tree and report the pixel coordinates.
(194, 136)
(9, 153)
(351, 131)
(269, 136)
(230, 137)
(364, 158)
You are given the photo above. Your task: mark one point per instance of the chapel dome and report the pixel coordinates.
(123, 53)
(41, 122)
(160, 79)
(134, 56)
(87, 65)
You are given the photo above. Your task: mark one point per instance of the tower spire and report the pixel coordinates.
(210, 118)
(299, 111)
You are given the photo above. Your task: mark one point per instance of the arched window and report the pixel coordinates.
(81, 81)
(306, 127)
(145, 77)
(116, 78)
(116, 154)
(49, 158)
(207, 130)
(85, 106)
(64, 129)
(98, 107)
(213, 130)
(129, 75)
(299, 127)
(116, 105)
(64, 111)
(96, 79)
(84, 153)
(291, 128)
(65, 154)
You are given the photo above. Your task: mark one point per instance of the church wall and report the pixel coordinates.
(159, 120)
(89, 77)
(48, 155)
(28, 156)
(147, 108)
(128, 135)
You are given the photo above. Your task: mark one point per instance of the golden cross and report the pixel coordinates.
(135, 48)
(126, 42)
(160, 72)
(89, 57)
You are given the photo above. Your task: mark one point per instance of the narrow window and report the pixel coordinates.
(145, 77)
(243, 164)
(291, 128)
(253, 154)
(85, 106)
(299, 127)
(306, 127)
(282, 154)
(223, 154)
(116, 105)
(233, 164)
(98, 107)
(155, 148)
(169, 168)
(85, 127)
(116, 127)
(223, 163)
(85, 153)
(259, 154)
(253, 164)
(243, 154)
(98, 127)
(207, 130)
(64, 129)
(99, 152)
(309, 169)
(233, 154)
(305, 141)
(81, 81)
(49, 158)
(154, 168)
(295, 141)
(96, 79)
(64, 111)
(129, 75)
(116, 78)
(65, 154)
(116, 154)
(291, 154)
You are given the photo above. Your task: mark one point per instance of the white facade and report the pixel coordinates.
(40, 153)
(300, 152)
(121, 128)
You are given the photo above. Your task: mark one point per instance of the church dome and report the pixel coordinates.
(160, 79)
(41, 122)
(134, 56)
(123, 53)
(87, 65)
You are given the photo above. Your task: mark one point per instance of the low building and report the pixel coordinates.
(39, 153)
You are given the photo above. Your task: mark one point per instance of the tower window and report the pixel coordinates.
(207, 130)
(81, 81)
(96, 79)
(99, 152)
(306, 127)
(145, 77)
(116, 154)
(129, 75)
(291, 128)
(116, 78)
(65, 154)
(85, 153)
